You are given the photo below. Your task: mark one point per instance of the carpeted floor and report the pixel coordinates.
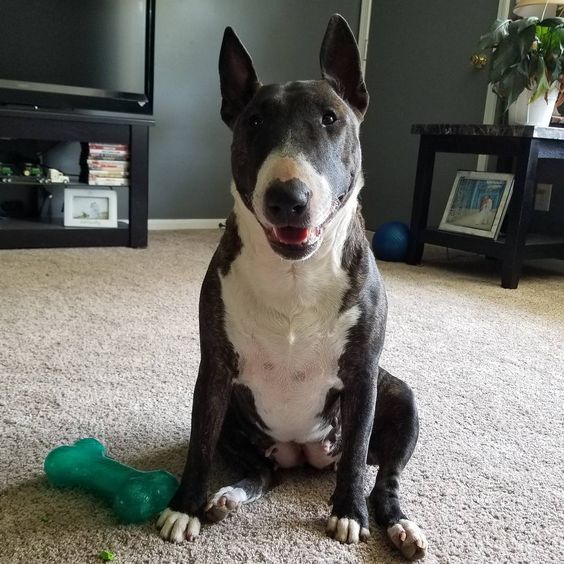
(104, 343)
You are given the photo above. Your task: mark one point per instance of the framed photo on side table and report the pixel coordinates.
(477, 203)
(90, 208)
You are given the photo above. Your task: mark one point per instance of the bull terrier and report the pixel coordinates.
(293, 311)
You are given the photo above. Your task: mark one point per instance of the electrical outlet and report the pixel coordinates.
(542, 197)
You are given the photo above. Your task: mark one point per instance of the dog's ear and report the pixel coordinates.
(340, 64)
(237, 77)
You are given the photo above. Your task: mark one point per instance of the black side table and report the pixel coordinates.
(528, 148)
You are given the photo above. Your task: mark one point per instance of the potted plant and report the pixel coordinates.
(527, 66)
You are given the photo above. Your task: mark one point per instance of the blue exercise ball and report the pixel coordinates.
(390, 241)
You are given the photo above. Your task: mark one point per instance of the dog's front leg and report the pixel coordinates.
(349, 517)
(182, 519)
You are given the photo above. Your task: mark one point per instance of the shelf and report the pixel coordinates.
(8, 224)
(34, 233)
(93, 116)
(543, 246)
(19, 182)
(464, 242)
(30, 129)
(536, 245)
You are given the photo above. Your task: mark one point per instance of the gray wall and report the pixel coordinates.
(418, 72)
(189, 147)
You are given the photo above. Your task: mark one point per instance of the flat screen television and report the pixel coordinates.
(78, 54)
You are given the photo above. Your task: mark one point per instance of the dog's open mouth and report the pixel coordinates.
(291, 235)
(293, 242)
(295, 236)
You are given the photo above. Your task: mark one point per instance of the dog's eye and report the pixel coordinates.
(255, 120)
(328, 118)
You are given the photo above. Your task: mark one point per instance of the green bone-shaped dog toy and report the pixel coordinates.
(136, 496)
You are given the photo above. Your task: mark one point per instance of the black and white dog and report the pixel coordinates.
(293, 310)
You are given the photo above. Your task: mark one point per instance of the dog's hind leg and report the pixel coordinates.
(393, 439)
(229, 498)
(247, 461)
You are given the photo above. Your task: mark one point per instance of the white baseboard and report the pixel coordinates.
(175, 224)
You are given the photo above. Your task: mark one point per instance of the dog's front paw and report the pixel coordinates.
(409, 538)
(177, 527)
(349, 521)
(346, 529)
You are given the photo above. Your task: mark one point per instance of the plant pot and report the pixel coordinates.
(539, 112)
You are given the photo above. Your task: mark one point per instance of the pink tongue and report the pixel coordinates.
(291, 235)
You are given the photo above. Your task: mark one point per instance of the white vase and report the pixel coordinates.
(539, 112)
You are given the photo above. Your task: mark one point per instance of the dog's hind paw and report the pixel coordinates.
(224, 502)
(346, 530)
(177, 527)
(409, 539)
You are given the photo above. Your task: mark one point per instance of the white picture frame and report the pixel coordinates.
(90, 208)
(477, 203)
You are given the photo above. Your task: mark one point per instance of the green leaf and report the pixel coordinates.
(541, 33)
(542, 84)
(520, 25)
(511, 51)
(507, 55)
(549, 40)
(496, 33)
(552, 22)
(556, 71)
(525, 39)
(509, 88)
(524, 66)
(559, 32)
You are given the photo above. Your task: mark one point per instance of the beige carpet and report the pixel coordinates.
(103, 343)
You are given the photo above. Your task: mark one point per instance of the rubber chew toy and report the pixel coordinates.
(136, 496)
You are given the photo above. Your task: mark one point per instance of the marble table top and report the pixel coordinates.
(490, 130)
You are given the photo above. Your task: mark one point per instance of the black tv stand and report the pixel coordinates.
(38, 124)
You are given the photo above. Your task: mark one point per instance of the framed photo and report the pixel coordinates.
(477, 203)
(90, 208)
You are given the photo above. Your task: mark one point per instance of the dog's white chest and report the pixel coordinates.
(289, 334)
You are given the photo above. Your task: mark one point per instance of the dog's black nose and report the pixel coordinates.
(286, 203)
